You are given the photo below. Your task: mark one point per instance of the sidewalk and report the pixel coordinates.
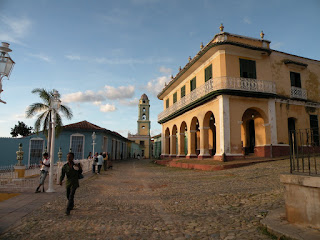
(213, 165)
(15, 208)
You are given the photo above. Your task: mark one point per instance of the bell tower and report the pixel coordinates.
(143, 118)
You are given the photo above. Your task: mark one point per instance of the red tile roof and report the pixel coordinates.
(83, 125)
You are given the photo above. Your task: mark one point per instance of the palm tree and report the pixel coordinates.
(44, 117)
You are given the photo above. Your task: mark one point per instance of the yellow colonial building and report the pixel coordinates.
(238, 97)
(143, 134)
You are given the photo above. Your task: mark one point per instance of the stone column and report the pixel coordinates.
(204, 144)
(181, 153)
(191, 144)
(272, 121)
(224, 124)
(173, 147)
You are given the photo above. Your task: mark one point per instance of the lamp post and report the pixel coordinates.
(54, 107)
(6, 64)
(93, 142)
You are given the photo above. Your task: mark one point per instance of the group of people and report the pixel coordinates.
(100, 160)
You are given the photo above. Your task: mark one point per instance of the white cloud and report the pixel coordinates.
(246, 20)
(118, 93)
(87, 96)
(14, 29)
(107, 108)
(41, 57)
(156, 85)
(165, 70)
(73, 57)
(97, 98)
(133, 102)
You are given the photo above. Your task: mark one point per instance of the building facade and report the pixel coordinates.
(143, 124)
(238, 97)
(76, 136)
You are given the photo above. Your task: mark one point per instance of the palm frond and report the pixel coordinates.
(43, 94)
(58, 125)
(67, 112)
(38, 123)
(34, 108)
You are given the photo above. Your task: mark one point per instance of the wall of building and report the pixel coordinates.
(9, 146)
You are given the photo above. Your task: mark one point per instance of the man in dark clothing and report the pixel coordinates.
(72, 171)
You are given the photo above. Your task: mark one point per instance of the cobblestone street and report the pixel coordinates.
(141, 200)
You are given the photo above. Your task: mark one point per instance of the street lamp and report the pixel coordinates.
(54, 107)
(6, 64)
(93, 142)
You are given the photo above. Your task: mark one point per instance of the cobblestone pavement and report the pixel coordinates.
(141, 200)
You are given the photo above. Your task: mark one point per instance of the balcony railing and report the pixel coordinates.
(242, 84)
(298, 93)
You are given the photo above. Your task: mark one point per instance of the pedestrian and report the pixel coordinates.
(72, 170)
(45, 164)
(109, 162)
(100, 162)
(94, 162)
(105, 160)
(89, 156)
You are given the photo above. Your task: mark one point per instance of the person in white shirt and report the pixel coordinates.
(100, 162)
(45, 164)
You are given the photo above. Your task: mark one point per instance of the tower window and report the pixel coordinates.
(143, 127)
(167, 103)
(143, 109)
(144, 101)
(144, 117)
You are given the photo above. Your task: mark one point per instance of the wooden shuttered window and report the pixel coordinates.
(183, 91)
(208, 73)
(167, 103)
(247, 68)
(295, 79)
(175, 97)
(193, 84)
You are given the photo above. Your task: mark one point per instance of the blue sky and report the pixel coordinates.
(103, 55)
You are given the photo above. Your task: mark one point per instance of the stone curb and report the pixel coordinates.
(277, 225)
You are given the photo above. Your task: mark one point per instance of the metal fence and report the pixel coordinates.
(305, 151)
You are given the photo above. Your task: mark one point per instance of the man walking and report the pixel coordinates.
(45, 164)
(72, 171)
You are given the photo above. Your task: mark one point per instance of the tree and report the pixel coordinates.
(44, 118)
(21, 129)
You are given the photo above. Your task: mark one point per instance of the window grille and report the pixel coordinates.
(77, 146)
(36, 148)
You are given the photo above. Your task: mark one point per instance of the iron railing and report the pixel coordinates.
(220, 83)
(298, 93)
(305, 151)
